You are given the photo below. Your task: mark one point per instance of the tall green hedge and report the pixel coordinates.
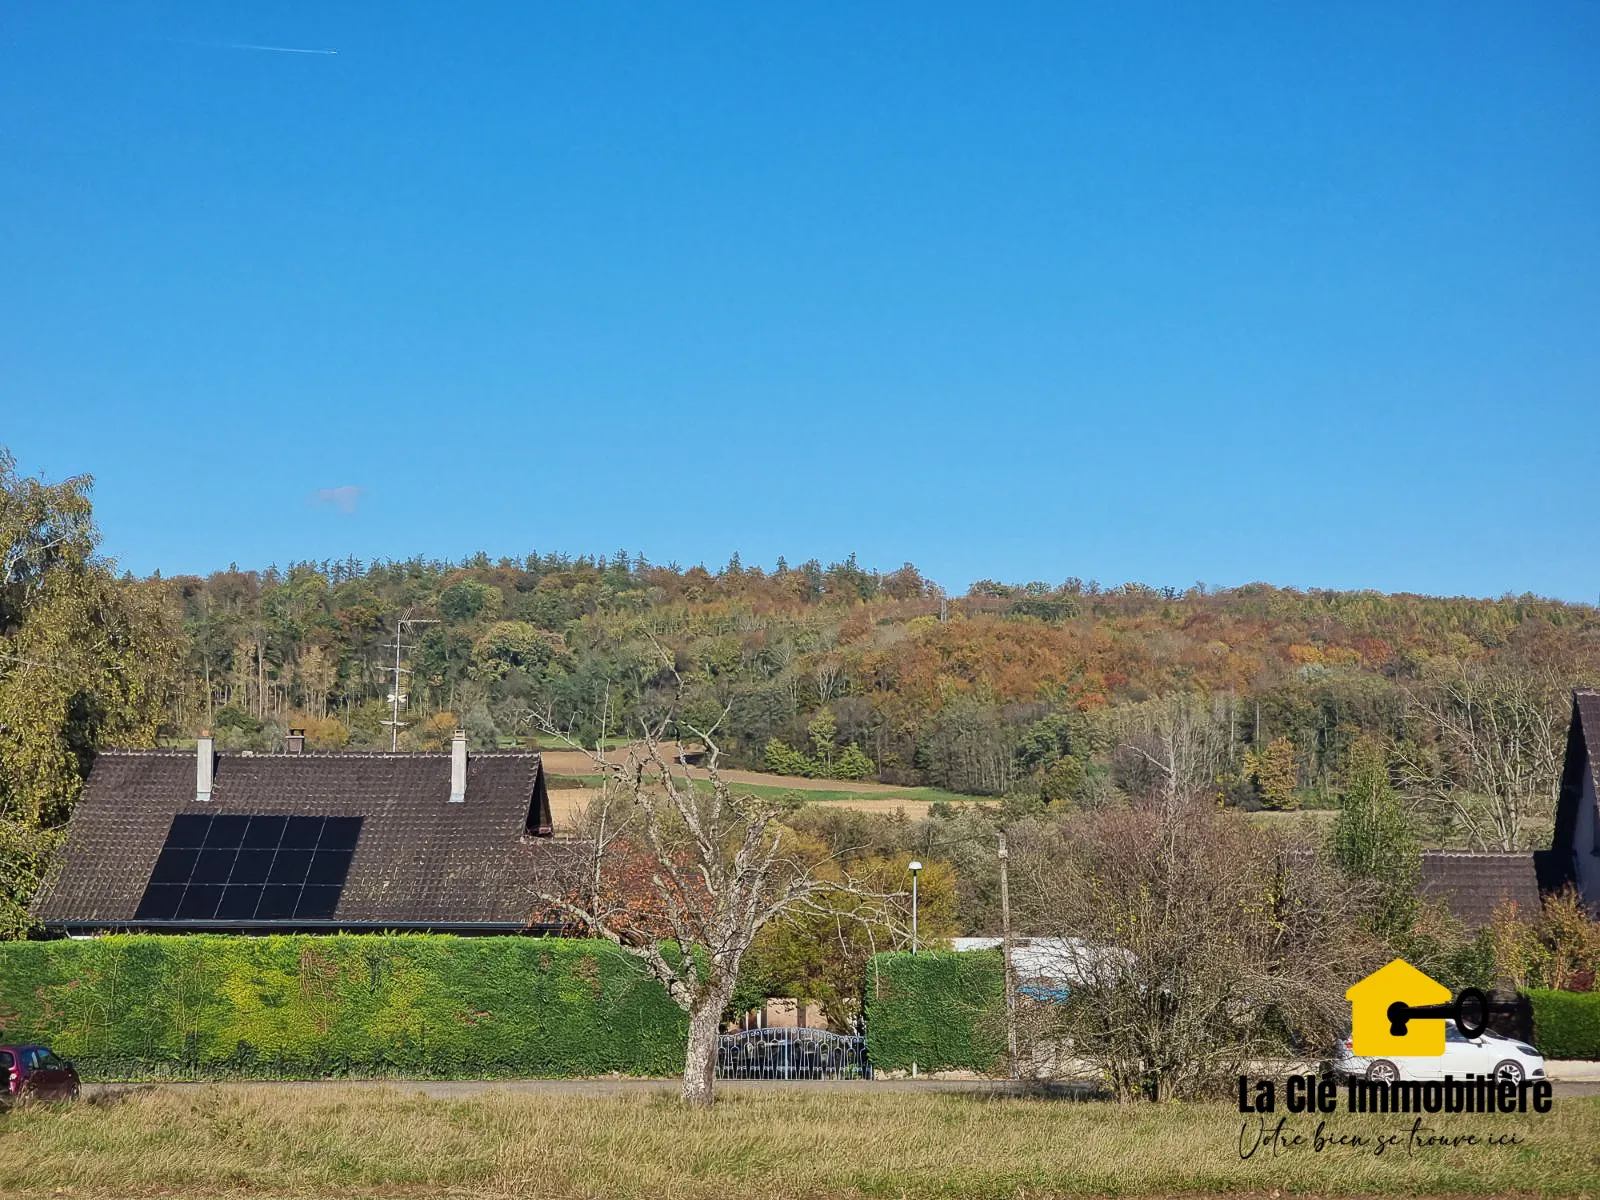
(207, 1006)
(1566, 1024)
(941, 1009)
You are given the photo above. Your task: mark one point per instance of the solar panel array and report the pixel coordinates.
(250, 868)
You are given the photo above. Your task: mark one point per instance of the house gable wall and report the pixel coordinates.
(1586, 843)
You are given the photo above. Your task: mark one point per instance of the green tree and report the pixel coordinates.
(467, 600)
(25, 856)
(853, 763)
(823, 730)
(85, 661)
(514, 645)
(781, 760)
(1048, 739)
(1372, 841)
(1063, 781)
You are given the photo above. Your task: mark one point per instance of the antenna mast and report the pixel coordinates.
(396, 696)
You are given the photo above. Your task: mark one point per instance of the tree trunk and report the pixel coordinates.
(700, 1060)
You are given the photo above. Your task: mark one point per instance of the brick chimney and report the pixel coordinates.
(458, 767)
(205, 766)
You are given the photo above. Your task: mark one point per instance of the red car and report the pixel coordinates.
(35, 1073)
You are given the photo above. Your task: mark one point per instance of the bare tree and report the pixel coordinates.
(1498, 733)
(1179, 744)
(827, 669)
(1193, 943)
(664, 852)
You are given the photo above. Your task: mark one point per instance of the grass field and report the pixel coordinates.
(276, 1142)
(572, 789)
(828, 790)
(1313, 822)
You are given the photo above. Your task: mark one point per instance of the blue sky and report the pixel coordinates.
(1167, 292)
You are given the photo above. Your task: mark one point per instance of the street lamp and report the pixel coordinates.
(915, 866)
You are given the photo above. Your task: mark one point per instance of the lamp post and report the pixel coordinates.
(915, 866)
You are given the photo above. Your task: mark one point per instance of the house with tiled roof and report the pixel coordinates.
(297, 841)
(1474, 885)
(173, 840)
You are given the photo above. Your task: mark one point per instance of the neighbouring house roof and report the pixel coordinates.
(1583, 742)
(1474, 885)
(419, 860)
(1062, 960)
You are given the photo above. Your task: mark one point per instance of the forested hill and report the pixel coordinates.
(1004, 689)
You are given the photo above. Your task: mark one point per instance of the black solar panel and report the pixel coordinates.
(249, 868)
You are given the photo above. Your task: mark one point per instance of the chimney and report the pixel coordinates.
(205, 766)
(458, 767)
(295, 743)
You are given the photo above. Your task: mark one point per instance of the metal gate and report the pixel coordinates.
(792, 1054)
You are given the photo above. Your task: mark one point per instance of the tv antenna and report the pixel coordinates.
(396, 696)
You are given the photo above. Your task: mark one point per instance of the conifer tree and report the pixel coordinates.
(1372, 839)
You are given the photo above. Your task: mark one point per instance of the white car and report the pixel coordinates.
(1490, 1054)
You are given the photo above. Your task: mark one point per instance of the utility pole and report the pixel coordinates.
(396, 697)
(1005, 954)
(914, 868)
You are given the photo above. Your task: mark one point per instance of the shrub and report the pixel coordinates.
(781, 760)
(1566, 1024)
(213, 1006)
(941, 1009)
(853, 763)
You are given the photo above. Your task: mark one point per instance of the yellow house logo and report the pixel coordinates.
(1377, 1001)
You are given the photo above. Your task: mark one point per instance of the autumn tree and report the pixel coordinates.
(721, 868)
(1518, 953)
(1557, 946)
(1273, 772)
(85, 661)
(823, 955)
(1572, 935)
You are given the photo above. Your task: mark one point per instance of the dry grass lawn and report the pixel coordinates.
(567, 803)
(272, 1142)
(576, 762)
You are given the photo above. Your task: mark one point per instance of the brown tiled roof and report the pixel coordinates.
(1473, 885)
(421, 861)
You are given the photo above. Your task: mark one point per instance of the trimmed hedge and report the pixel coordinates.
(1566, 1024)
(941, 1009)
(210, 1006)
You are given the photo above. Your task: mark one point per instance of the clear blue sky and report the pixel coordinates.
(1221, 292)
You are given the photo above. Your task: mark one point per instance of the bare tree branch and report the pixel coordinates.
(664, 852)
